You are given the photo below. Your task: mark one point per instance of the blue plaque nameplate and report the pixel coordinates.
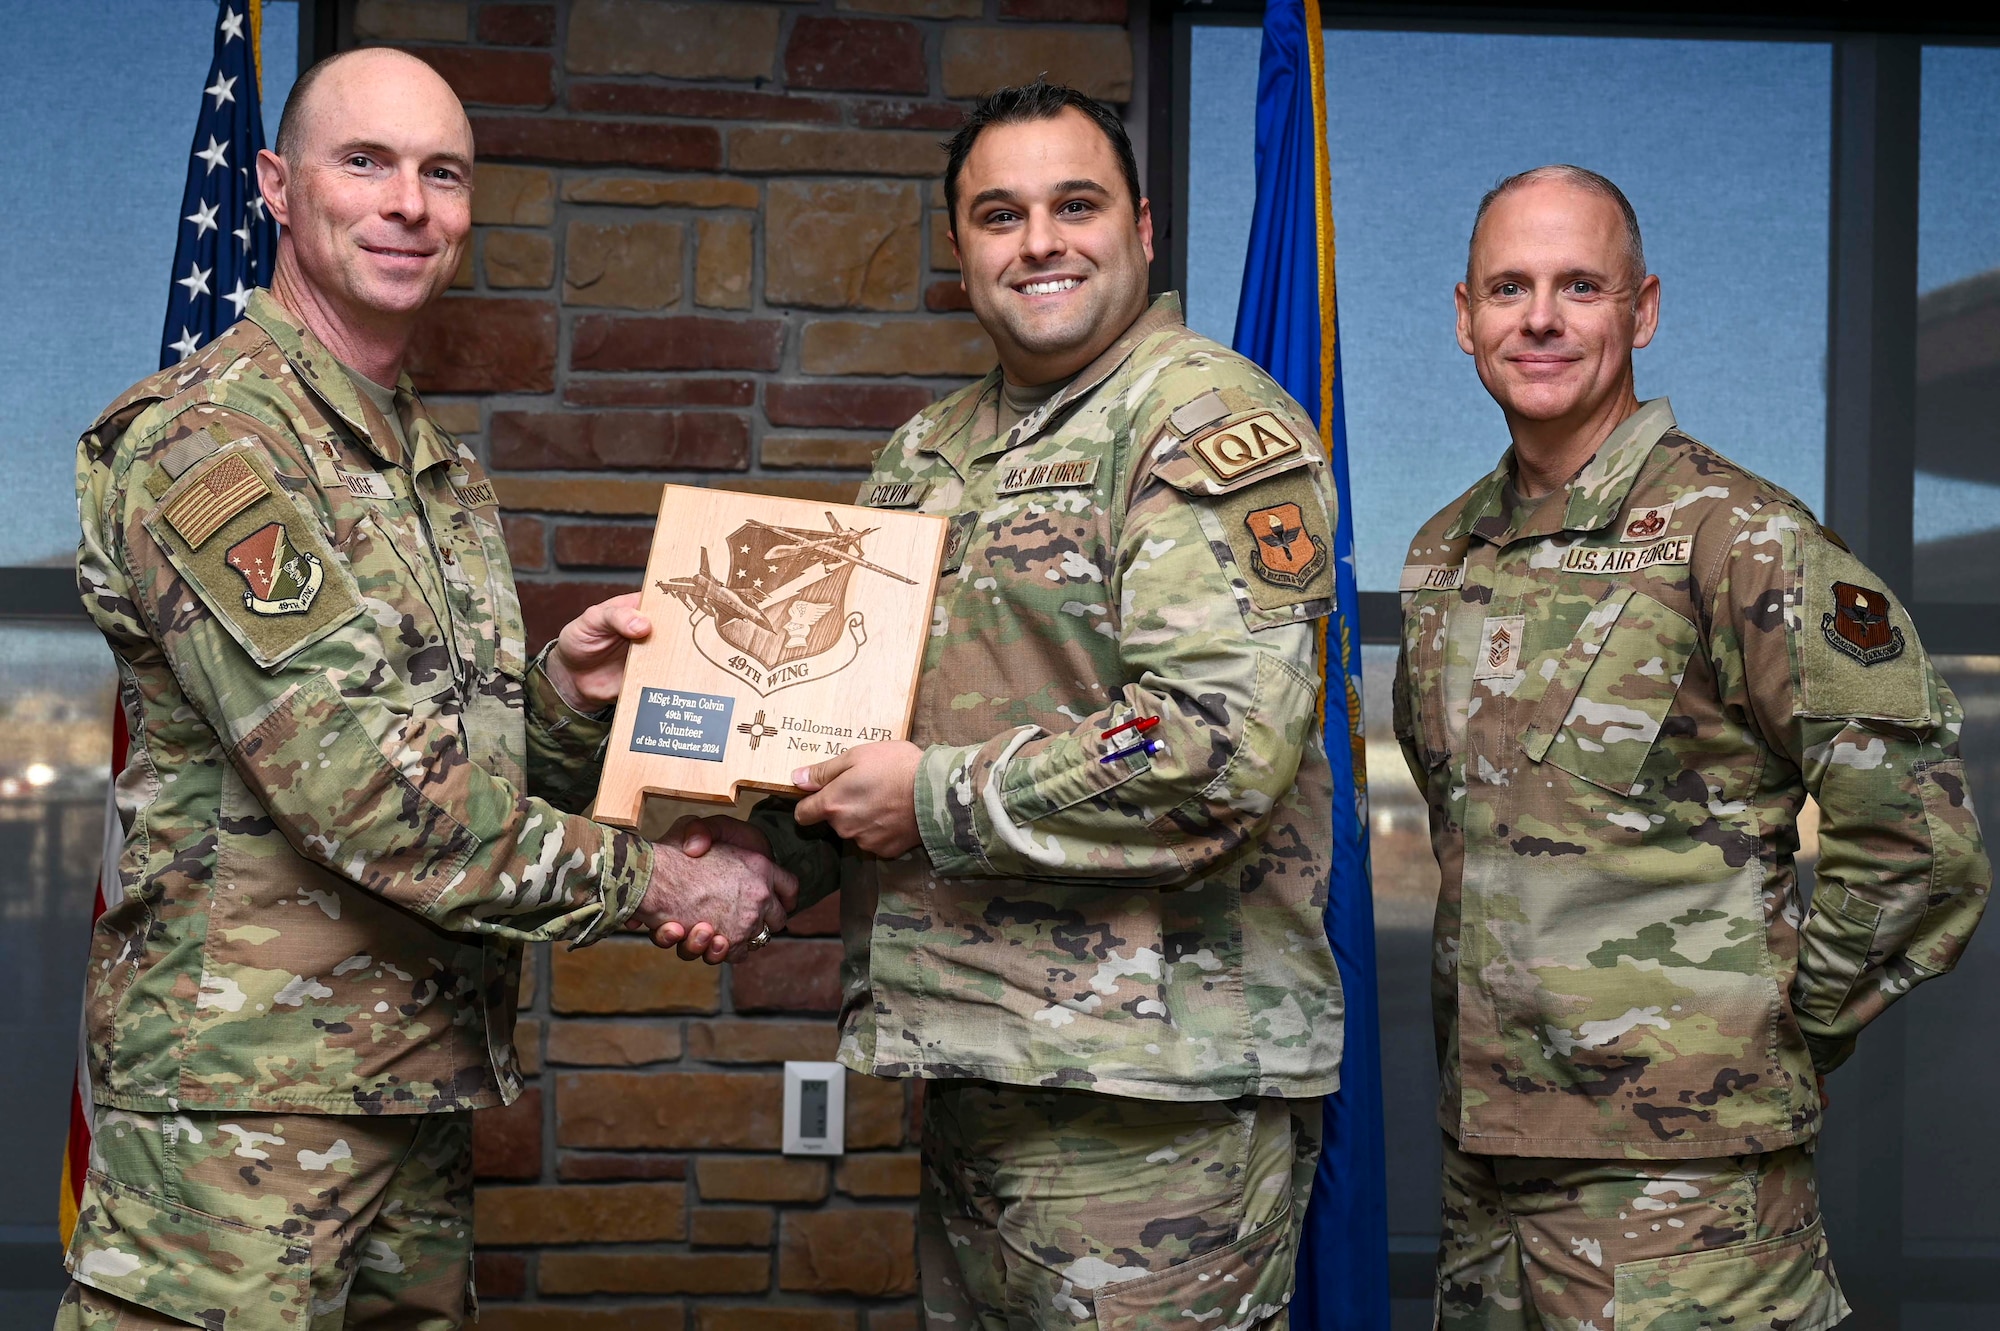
(680, 724)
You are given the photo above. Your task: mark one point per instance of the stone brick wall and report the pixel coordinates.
(710, 248)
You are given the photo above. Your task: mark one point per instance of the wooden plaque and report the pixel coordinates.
(784, 632)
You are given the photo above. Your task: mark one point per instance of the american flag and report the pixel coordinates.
(228, 241)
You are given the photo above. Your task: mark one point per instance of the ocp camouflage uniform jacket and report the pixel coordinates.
(1616, 711)
(1148, 926)
(331, 857)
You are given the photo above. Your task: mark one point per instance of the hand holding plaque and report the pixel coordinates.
(784, 633)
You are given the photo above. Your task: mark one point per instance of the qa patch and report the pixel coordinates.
(1284, 552)
(282, 581)
(1858, 625)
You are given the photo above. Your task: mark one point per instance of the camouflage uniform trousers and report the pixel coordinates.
(273, 1222)
(1072, 1211)
(1632, 1245)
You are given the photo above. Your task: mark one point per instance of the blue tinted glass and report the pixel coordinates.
(1722, 147)
(1957, 513)
(98, 100)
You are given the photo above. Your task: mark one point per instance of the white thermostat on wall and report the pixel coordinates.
(815, 1108)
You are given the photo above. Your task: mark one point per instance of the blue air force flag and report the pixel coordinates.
(1286, 322)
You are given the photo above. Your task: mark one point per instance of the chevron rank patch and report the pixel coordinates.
(218, 492)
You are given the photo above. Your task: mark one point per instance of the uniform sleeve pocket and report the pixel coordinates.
(1785, 1281)
(1833, 949)
(1244, 1284)
(1611, 691)
(187, 1264)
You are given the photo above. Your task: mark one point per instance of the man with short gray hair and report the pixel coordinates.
(1626, 664)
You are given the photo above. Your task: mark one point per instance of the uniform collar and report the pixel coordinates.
(958, 439)
(321, 371)
(1594, 496)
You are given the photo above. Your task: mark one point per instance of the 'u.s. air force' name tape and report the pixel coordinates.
(1627, 559)
(1048, 476)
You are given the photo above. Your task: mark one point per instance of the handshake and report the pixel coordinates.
(716, 893)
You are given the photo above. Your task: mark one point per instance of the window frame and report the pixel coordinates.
(1875, 134)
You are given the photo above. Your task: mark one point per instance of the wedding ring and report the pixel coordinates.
(763, 937)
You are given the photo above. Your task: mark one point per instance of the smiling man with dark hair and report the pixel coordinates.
(1086, 898)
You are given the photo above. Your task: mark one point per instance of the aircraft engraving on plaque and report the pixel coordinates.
(778, 616)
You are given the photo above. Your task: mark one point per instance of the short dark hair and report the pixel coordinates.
(1040, 100)
(1582, 178)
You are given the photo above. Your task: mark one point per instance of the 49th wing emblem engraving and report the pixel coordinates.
(777, 617)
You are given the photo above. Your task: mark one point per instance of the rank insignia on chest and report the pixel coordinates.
(1500, 647)
(1246, 445)
(1285, 552)
(282, 581)
(1858, 625)
(955, 541)
(1646, 523)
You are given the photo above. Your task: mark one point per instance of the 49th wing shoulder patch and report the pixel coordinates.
(260, 563)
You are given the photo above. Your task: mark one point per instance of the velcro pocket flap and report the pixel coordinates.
(1612, 690)
(187, 1264)
(253, 556)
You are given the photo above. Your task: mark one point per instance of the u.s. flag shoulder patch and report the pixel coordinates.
(216, 493)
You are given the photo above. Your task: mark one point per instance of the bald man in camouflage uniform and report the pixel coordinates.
(1102, 943)
(1625, 666)
(352, 795)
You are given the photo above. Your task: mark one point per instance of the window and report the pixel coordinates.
(94, 238)
(1957, 490)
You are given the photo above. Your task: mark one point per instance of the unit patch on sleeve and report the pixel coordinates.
(1858, 625)
(216, 494)
(1280, 539)
(282, 581)
(1283, 551)
(1246, 445)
